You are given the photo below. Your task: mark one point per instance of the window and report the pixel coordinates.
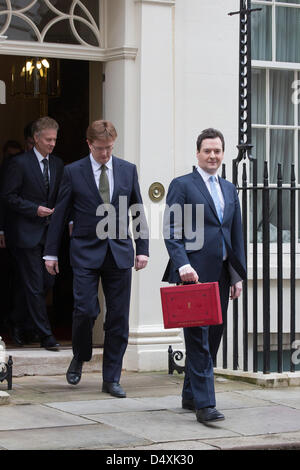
(275, 107)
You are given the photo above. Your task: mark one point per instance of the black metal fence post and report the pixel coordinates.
(254, 266)
(293, 264)
(279, 271)
(266, 271)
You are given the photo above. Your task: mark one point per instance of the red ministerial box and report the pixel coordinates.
(191, 305)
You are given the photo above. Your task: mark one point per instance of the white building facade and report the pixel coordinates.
(161, 71)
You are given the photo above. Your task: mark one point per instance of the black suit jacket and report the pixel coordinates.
(207, 260)
(23, 191)
(79, 194)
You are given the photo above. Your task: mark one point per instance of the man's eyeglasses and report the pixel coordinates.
(102, 149)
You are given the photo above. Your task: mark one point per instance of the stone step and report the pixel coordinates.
(38, 361)
(4, 398)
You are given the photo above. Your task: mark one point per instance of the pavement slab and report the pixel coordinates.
(164, 425)
(115, 405)
(263, 420)
(284, 396)
(35, 416)
(98, 436)
(279, 441)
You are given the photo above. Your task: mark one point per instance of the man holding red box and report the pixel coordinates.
(220, 258)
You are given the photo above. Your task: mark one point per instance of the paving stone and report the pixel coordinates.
(159, 426)
(283, 396)
(67, 438)
(115, 405)
(269, 441)
(262, 420)
(232, 400)
(35, 416)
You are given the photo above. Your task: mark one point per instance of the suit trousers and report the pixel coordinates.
(36, 283)
(216, 331)
(202, 344)
(116, 284)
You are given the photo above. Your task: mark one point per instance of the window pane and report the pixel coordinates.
(258, 103)
(261, 33)
(287, 34)
(281, 105)
(259, 152)
(281, 151)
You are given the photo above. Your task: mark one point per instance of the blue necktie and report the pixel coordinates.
(217, 202)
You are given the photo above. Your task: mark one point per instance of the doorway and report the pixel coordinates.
(69, 105)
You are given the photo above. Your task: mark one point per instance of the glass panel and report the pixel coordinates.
(261, 33)
(259, 152)
(258, 101)
(20, 30)
(281, 151)
(61, 33)
(287, 34)
(281, 105)
(62, 5)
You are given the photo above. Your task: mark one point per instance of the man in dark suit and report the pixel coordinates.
(29, 190)
(219, 258)
(101, 247)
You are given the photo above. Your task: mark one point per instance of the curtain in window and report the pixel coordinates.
(281, 111)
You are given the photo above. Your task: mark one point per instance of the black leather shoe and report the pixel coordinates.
(50, 343)
(205, 415)
(73, 374)
(188, 404)
(114, 389)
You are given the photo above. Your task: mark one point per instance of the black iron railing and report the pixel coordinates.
(255, 199)
(256, 217)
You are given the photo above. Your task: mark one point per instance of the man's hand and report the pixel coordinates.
(2, 241)
(188, 274)
(235, 290)
(44, 211)
(140, 262)
(52, 267)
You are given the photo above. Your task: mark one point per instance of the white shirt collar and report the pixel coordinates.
(206, 175)
(96, 166)
(39, 155)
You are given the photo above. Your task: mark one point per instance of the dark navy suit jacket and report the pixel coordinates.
(23, 191)
(207, 261)
(79, 193)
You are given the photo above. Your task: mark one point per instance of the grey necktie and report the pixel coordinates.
(104, 185)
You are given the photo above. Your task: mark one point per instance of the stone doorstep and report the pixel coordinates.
(4, 398)
(41, 362)
(272, 380)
